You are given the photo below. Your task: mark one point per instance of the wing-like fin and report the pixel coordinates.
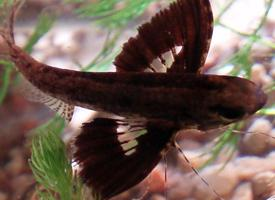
(116, 155)
(175, 40)
(34, 94)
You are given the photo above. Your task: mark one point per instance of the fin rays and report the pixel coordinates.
(106, 166)
(187, 24)
(33, 94)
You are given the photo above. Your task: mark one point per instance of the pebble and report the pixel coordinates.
(256, 140)
(249, 166)
(243, 192)
(271, 140)
(222, 180)
(157, 197)
(263, 185)
(196, 159)
(21, 184)
(179, 185)
(259, 74)
(17, 163)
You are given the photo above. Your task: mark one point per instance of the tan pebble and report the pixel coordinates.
(256, 140)
(267, 81)
(80, 36)
(157, 197)
(260, 125)
(248, 166)
(243, 192)
(21, 184)
(189, 144)
(257, 72)
(263, 185)
(179, 186)
(196, 159)
(17, 163)
(223, 181)
(271, 140)
(3, 196)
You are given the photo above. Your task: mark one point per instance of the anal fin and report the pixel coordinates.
(33, 94)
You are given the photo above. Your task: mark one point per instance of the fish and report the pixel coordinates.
(158, 89)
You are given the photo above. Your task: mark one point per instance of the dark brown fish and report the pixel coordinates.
(157, 91)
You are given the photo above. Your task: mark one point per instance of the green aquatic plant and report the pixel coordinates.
(44, 23)
(5, 79)
(50, 164)
(112, 14)
(242, 66)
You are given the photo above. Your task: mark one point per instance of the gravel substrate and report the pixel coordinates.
(248, 175)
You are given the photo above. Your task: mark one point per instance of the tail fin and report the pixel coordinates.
(7, 18)
(23, 62)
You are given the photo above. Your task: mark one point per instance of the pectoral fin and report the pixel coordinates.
(115, 155)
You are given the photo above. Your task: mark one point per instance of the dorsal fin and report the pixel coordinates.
(176, 40)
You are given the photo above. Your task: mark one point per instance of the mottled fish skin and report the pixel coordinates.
(188, 98)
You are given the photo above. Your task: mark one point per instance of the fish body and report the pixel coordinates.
(186, 98)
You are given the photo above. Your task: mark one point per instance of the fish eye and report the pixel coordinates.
(228, 113)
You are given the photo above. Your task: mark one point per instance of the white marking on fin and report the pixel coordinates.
(158, 66)
(178, 49)
(164, 61)
(130, 130)
(130, 152)
(34, 94)
(168, 58)
(131, 135)
(129, 145)
(148, 70)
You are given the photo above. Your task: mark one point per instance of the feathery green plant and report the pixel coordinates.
(4, 2)
(50, 165)
(112, 13)
(44, 24)
(107, 54)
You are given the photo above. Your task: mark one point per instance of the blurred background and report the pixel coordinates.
(238, 161)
